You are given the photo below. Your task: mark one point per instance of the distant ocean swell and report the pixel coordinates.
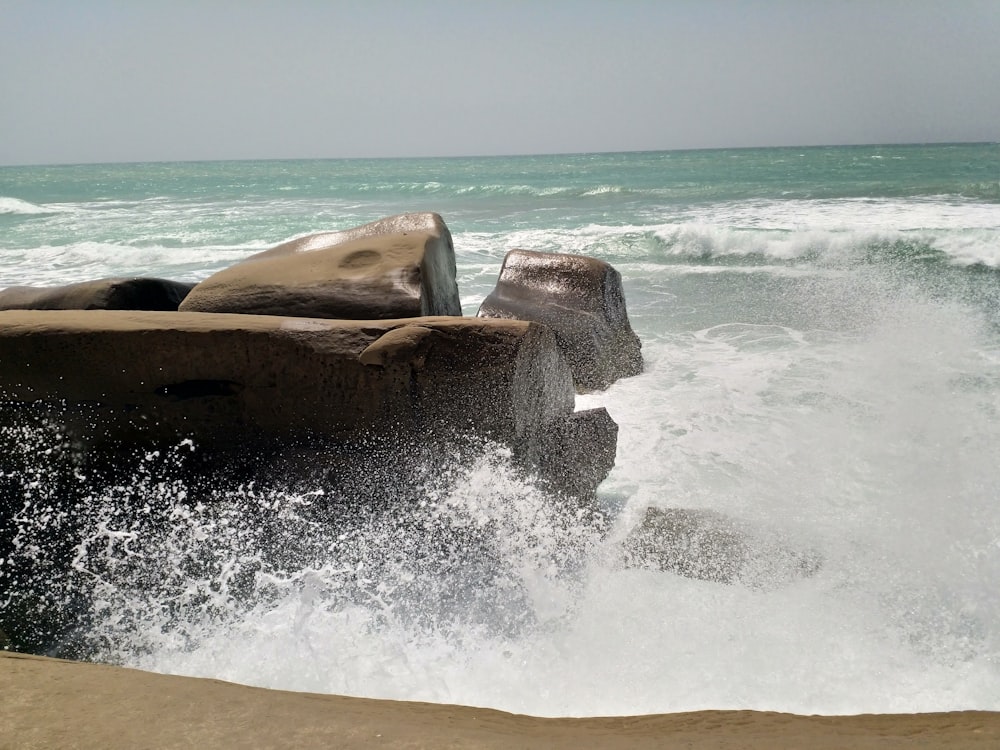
(18, 207)
(671, 249)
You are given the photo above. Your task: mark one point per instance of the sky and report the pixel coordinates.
(162, 80)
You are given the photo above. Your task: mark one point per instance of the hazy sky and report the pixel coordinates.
(96, 80)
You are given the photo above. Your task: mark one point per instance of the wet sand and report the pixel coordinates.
(48, 703)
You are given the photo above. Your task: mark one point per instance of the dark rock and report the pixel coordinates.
(582, 301)
(135, 293)
(710, 546)
(241, 383)
(576, 454)
(400, 267)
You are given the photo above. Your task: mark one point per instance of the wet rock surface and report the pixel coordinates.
(399, 267)
(711, 546)
(132, 293)
(581, 299)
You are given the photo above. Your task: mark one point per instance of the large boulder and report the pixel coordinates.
(233, 382)
(426, 222)
(711, 546)
(120, 293)
(379, 416)
(582, 301)
(399, 267)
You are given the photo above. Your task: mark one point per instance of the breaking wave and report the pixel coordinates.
(18, 207)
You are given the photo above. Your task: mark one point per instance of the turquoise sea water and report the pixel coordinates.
(821, 331)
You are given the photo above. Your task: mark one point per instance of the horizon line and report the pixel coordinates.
(125, 162)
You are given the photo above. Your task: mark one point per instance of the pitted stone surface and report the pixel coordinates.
(402, 266)
(582, 301)
(126, 293)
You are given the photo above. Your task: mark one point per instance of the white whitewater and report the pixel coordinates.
(853, 443)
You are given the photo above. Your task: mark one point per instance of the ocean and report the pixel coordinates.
(821, 335)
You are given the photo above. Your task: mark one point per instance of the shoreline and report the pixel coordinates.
(49, 703)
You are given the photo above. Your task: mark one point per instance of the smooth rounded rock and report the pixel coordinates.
(426, 222)
(125, 293)
(581, 299)
(227, 379)
(396, 268)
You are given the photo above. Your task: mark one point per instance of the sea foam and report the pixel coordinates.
(851, 443)
(19, 207)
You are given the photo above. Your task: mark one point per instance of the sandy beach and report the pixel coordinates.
(49, 703)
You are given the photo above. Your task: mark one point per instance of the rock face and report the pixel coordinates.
(399, 267)
(427, 222)
(710, 546)
(135, 293)
(378, 414)
(575, 454)
(236, 382)
(582, 301)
